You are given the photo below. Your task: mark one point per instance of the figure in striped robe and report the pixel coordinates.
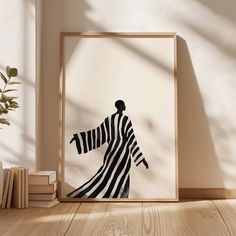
(112, 179)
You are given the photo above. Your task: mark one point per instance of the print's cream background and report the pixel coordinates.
(99, 71)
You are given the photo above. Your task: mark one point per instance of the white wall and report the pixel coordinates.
(17, 49)
(206, 75)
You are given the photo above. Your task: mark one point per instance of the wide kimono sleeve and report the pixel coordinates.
(135, 151)
(91, 139)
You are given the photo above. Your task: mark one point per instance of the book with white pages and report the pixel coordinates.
(44, 204)
(41, 177)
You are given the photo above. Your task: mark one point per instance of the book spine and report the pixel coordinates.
(6, 187)
(22, 188)
(42, 197)
(51, 188)
(1, 182)
(26, 188)
(41, 178)
(16, 192)
(9, 196)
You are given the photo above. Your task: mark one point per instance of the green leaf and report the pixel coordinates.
(9, 90)
(11, 98)
(14, 106)
(3, 77)
(8, 71)
(4, 121)
(5, 111)
(13, 82)
(1, 108)
(13, 102)
(7, 99)
(14, 72)
(3, 98)
(11, 72)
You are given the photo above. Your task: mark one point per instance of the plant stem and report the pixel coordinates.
(5, 85)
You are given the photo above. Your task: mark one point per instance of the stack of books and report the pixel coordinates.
(42, 189)
(15, 187)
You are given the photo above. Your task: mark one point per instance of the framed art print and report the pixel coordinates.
(118, 113)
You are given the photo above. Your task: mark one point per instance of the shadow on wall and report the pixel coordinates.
(221, 8)
(76, 20)
(197, 156)
(210, 32)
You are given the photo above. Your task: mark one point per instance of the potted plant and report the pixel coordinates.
(7, 103)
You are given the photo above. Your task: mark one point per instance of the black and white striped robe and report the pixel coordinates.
(112, 178)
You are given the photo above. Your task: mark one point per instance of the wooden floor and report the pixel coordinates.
(203, 218)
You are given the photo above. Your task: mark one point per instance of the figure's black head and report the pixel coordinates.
(120, 105)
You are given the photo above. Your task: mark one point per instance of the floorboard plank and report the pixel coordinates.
(227, 209)
(38, 221)
(210, 218)
(127, 219)
(10, 218)
(98, 219)
(88, 219)
(184, 218)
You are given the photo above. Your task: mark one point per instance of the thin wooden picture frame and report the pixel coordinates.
(61, 164)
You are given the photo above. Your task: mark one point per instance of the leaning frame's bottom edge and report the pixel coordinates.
(105, 200)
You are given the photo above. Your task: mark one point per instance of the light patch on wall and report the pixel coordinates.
(17, 46)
